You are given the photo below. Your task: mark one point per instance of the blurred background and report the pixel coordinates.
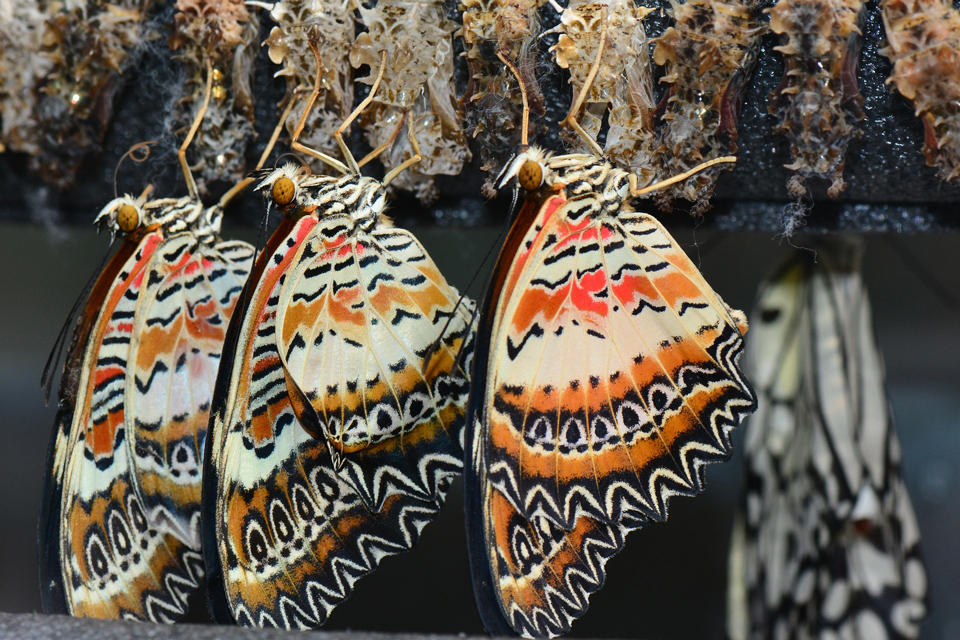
(670, 581)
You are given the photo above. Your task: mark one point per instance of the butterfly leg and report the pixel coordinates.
(415, 158)
(573, 115)
(240, 186)
(338, 134)
(525, 130)
(386, 145)
(294, 142)
(656, 186)
(182, 152)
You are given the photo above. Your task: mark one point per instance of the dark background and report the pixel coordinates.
(670, 580)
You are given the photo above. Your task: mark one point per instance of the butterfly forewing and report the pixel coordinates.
(362, 305)
(333, 441)
(124, 480)
(611, 380)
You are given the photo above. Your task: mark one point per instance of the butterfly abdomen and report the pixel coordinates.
(331, 22)
(492, 103)
(417, 84)
(221, 34)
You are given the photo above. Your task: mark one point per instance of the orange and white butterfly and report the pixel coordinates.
(337, 419)
(605, 378)
(120, 523)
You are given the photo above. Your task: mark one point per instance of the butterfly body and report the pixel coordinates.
(119, 531)
(336, 429)
(606, 378)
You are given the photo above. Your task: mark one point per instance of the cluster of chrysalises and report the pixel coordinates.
(496, 33)
(924, 45)
(21, 66)
(414, 39)
(330, 24)
(707, 55)
(88, 44)
(218, 37)
(60, 64)
(818, 103)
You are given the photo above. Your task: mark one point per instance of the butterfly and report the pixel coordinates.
(827, 543)
(120, 523)
(605, 378)
(338, 415)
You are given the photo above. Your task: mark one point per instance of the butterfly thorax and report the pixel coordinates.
(363, 199)
(597, 187)
(171, 215)
(301, 193)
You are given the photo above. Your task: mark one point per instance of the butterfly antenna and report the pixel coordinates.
(435, 346)
(182, 152)
(56, 353)
(139, 148)
(313, 39)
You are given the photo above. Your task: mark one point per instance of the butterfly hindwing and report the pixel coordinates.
(372, 306)
(334, 337)
(175, 352)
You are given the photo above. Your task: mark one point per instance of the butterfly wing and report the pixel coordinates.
(298, 519)
(174, 354)
(870, 572)
(358, 316)
(611, 381)
(830, 543)
(122, 548)
(773, 541)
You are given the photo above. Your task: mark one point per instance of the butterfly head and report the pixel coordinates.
(127, 213)
(530, 168)
(284, 185)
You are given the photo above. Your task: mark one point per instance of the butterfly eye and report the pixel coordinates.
(128, 218)
(530, 175)
(282, 191)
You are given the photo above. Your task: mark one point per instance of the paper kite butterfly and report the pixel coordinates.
(337, 419)
(827, 543)
(120, 522)
(605, 378)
